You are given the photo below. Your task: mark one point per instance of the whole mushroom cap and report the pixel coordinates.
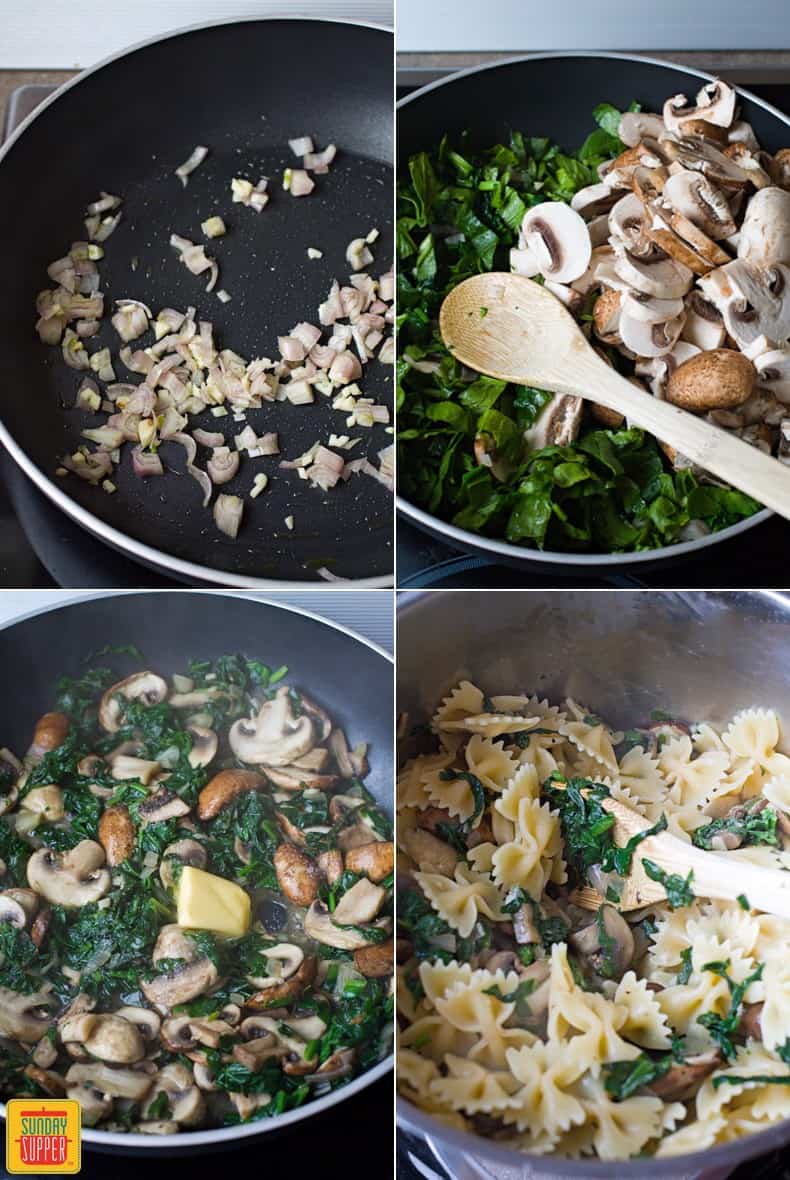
(716, 380)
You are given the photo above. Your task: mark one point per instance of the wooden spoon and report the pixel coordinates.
(507, 326)
(714, 875)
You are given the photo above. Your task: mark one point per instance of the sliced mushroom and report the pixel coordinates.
(144, 1020)
(606, 312)
(375, 962)
(161, 806)
(51, 731)
(375, 860)
(116, 834)
(95, 1105)
(331, 864)
(765, 231)
(319, 925)
(276, 736)
(24, 1017)
(181, 852)
(773, 372)
(627, 219)
(223, 788)
(142, 686)
(359, 904)
(252, 1054)
(187, 1104)
(704, 326)
(650, 339)
(752, 163)
(204, 745)
(638, 125)
(754, 301)
(115, 1083)
(699, 155)
(283, 993)
(292, 779)
(607, 942)
(694, 197)
(593, 201)
(715, 104)
(555, 234)
(659, 276)
(113, 1039)
(46, 1079)
(12, 912)
(46, 802)
(558, 424)
(339, 1065)
(298, 875)
(184, 983)
(70, 879)
(683, 1080)
(180, 1033)
(429, 853)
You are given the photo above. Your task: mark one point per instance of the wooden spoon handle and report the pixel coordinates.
(721, 877)
(713, 449)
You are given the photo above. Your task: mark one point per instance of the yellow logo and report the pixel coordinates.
(42, 1136)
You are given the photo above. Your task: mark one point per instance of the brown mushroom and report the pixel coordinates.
(282, 994)
(223, 788)
(719, 379)
(331, 864)
(375, 961)
(46, 1079)
(607, 942)
(51, 731)
(375, 860)
(429, 853)
(684, 1079)
(298, 875)
(116, 834)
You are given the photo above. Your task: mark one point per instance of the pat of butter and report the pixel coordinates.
(212, 903)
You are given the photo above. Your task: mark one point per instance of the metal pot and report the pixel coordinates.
(623, 653)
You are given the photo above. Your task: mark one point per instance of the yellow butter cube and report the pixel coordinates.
(212, 903)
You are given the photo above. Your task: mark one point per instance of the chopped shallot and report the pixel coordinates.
(208, 438)
(302, 146)
(320, 161)
(357, 254)
(228, 511)
(297, 182)
(213, 227)
(131, 319)
(195, 160)
(145, 463)
(223, 465)
(244, 193)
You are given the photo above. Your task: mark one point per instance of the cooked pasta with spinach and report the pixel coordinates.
(560, 1030)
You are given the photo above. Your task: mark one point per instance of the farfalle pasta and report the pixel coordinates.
(589, 1032)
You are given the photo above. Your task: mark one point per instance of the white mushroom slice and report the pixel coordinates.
(24, 1017)
(70, 879)
(698, 154)
(187, 1104)
(773, 372)
(181, 852)
(650, 339)
(282, 961)
(753, 301)
(359, 904)
(94, 1105)
(599, 256)
(742, 132)
(704, 325)
(524, 262)
(651, 310)
(182, 985)
(204, 745)
(125, 768)
(627, 219)
(715, 104)
(599, 230)
(116, 1083)
(144, 1020)
(661, 277)
(319, 925)
(765, 231)
(113, 1039)
(692, 195)
(638, 125)
(593, 200)
(46, 802)
(143, 686)
(12, 912)
(570, 297)
(276, 736)
(558, 423)
(559, 239)
(607, 276)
